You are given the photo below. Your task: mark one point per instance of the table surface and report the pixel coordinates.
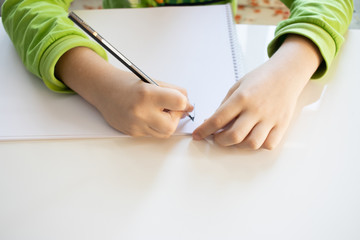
(146, 188)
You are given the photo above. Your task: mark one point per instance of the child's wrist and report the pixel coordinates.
(297, 56)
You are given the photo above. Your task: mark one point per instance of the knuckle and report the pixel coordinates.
(143, 94)
(243, 97)
(253, 143)
(167, 130)
(216, 122)
(143, 90)
(235, 137)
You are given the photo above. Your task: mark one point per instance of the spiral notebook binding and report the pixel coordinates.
(234, 44)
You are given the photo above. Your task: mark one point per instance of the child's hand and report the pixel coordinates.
(127, 104)
(255, 112)
(141, 109)
(257, 109)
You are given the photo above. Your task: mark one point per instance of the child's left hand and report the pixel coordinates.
(258, 108)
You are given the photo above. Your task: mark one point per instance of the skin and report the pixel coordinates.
(127, 104)
(258, 108)
(254, 114)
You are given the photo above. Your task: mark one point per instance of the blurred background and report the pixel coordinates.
(263, 12)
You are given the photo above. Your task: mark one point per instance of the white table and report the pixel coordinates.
(145, 188)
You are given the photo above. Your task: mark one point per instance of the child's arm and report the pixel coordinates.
(257, 110)
(128, 104)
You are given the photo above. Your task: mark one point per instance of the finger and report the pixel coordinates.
(155, 133)
(164, 123)
(135, 130)
(189, 107)
(145, 130)
(222, 117)
(274, 137)
(236, 133)
(172, 86)
(257, 136)
(171, 99)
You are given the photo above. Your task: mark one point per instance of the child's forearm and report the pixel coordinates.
(85, 72)
(297, 59)
(299, 54)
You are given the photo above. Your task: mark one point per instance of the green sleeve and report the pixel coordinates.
(322, 21)
(41, 33)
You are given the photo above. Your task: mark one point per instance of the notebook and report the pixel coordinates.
(194, 47)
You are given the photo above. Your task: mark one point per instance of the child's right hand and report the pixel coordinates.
(141, 109)
(127, 104)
